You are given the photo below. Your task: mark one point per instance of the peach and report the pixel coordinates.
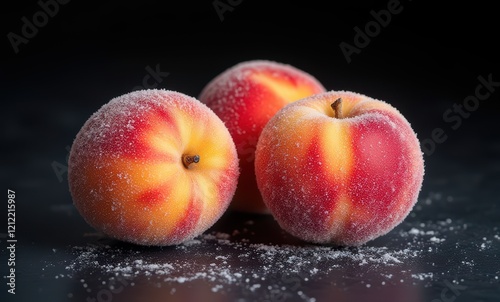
(339, 168)
(153, 167)
(245, 97)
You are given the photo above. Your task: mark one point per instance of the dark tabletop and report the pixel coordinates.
(423, 59)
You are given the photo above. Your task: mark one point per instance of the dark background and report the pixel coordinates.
(427, 59)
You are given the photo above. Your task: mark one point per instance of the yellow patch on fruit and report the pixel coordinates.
(336, 151)
(183, 124)
(133, 179)
(203, 185)
(162, 142)
(284, 89)
(162, 136)
(143, 175)
(178, 200)
(214, 159)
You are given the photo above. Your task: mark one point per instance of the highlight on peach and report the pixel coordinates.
(339, 168)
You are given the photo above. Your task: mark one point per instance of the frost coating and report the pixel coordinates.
(344, 181)
(126, 171)
(245, 97)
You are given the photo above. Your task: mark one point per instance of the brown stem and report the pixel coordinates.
(189, 159)
(337, 107)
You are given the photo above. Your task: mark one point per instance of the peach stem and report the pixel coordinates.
(337, 107)
(189, 159)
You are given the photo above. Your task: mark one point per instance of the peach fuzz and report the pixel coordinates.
(153, 167)
(245, 97)
(339, 168)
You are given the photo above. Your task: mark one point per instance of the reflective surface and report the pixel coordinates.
(447, 247)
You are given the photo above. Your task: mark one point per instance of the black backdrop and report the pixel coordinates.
(426, 59)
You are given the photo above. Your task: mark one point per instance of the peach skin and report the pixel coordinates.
(245, 97)
(339, 168)
(153, 167)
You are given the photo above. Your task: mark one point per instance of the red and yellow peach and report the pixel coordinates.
(339, 167)
(153, 167)
(245, 97)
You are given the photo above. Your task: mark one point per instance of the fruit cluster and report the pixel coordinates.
(158, 167)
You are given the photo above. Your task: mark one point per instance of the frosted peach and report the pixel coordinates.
(245, 97)
(339, 167)
(153, 167)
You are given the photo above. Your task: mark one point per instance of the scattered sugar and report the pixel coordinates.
(232, 258)
(287, 265)
(436, 240)
(255, 287)
(217, 288)
(423, 276)
(414, 231)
